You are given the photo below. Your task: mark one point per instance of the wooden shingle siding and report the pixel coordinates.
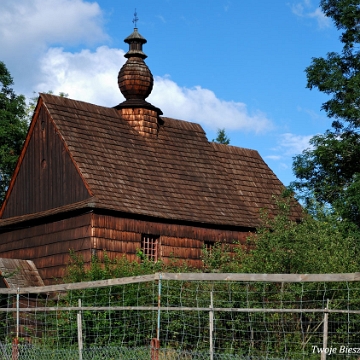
(48, 245)
(47, 177)
(122, 236)
(124, 228)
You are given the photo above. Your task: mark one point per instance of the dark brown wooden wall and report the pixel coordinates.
(47, 177)
(120, 236)
(48, 245)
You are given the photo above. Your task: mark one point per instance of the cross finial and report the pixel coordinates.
(135, 20)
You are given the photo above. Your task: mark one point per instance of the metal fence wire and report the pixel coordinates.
(185, 316)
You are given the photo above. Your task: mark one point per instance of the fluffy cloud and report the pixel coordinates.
(88, 76)
(34, 34)
(92, 77)
(291, 144)
(37, 23)
(201, 105)
(305, 9)
(288, 145)
(29, 27)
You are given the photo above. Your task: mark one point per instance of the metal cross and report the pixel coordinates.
(135, 20)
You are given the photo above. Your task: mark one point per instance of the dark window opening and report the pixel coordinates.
(150, 246)
(208, 246)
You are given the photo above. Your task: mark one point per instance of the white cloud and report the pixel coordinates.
(314, 115)
(29, 27)
(34, 34)
(92, 77)
(37, 23)
(304, 9)
(88, 76)
(322, 20)
(273, 157)
(298, 9)
(291, 144)
(288, 145)
(201, 105)
(161, 18)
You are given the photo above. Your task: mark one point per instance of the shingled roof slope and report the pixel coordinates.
(178, 175)
(255, 182)
(18, 273)
(174, 176)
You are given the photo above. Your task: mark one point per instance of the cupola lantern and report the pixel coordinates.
(135, 83)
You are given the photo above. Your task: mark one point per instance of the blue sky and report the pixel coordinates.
(230, 64)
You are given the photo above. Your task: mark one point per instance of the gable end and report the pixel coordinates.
(46, 176)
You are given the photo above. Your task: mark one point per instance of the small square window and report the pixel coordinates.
(208, 246)
(150, 246)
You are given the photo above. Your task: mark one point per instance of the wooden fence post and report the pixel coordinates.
(155, 342)
(154, 349)
(325, 331)
(79, 329)
(15, 344)
(15, 349)
(211, 326)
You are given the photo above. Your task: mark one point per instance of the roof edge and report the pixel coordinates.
(89, 203)
(22, 155)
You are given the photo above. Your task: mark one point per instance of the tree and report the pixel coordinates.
(13, 128)
(321, 245)
(329, 171)
(281, 245)
(222, 138)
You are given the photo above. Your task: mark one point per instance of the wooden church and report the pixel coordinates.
(121, 179)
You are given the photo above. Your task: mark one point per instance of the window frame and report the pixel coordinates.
(150, 246)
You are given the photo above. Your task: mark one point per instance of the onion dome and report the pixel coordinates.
(136, 82)
(135, 79)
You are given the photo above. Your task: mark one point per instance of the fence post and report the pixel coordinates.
(155, 342)
(211, 326)
(159, 304)
(15, 344)
(325, 331)
(79, 328)
(17, 313)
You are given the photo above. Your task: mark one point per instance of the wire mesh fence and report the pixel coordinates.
(185, 316)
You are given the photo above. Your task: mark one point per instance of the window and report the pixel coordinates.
(150, 246)
(208, 246)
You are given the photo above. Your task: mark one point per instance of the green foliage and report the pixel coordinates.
(280, 246)
(222, 137)
(216, 258)
(338, 74)
(106, 268)
(13, 128)
(325, 244)
(329, 170)
(322, 245)
(315, 245)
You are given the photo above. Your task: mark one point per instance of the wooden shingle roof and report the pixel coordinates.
(16, 273)
(178, 175)
(255, 182)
